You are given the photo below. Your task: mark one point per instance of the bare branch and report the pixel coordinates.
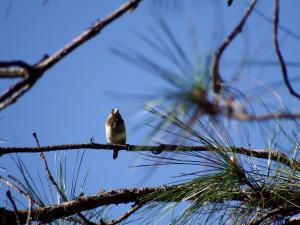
(120, 196)
(29, 211)
(8, 194)
(258, 153)
(50, 213)
(292, 221)
(275, 214)
(16, 188)
(217, 80)
(124, 216)
(37, 70)
(278, 51)
(49, 175)
(51, 179)
(12, 73)
(262, 117)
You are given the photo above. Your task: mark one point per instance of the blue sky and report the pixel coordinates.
(70, 103)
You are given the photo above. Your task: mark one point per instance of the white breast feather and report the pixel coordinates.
(109, 134)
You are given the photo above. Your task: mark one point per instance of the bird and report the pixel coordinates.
(115, 130)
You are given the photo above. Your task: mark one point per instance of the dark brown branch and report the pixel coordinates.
(14, 187)
(278, 51)
(27, 195)
(36, 71)
(217, 80)
(292, 221)
(53, 212)
(8, 194)
(275, 214)
(258, 153)
(12, 73)
(120, 196)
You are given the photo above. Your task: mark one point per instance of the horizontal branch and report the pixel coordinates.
(258, 153)
(243, 116)
(138, 196)
(12, 73)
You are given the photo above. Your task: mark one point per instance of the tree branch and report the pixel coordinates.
(258, 153)
(8, 194)
(50, 213)
(53, 182)
(243, 116)
(292, 221)
(278, 51)
(37, 70)
(276, 214)
(217, 80)
(12, 73)
(16, 188)
(124, 216)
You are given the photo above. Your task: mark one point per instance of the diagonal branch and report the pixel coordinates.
(37, 70)
(217, 80)
(278, 51)
(258, 153)
(10, 198)
(50, 213)
(123, 217)
(53, 182)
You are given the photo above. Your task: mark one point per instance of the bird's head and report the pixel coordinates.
(115, 111)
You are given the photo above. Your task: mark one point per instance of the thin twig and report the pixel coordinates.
(36, 71)
(124, 216)
(28, 196)
(243, 116)
(74, 219)
(8, 194)
(29, 211)
(51, 179)
(278, 51)
(46, 167)
(14, 187)
(217, 80)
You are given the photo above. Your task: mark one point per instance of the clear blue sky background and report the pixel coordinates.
(70, 103)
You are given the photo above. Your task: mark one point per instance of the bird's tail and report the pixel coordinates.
(115, 154)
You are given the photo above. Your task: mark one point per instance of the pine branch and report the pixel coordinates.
(278, 51)
(258, 153)
(50, 213)
(140, 197)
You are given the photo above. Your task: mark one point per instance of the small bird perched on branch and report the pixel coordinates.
(115, 130)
